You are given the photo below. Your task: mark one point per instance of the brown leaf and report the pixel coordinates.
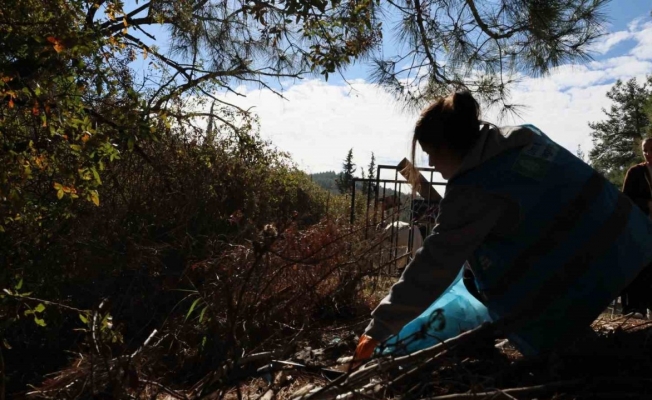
(58, 44)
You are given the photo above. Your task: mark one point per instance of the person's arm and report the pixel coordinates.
(632, 188)
(466, 217)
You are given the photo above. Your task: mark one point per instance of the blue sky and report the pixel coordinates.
(318, 122)
(620, 13)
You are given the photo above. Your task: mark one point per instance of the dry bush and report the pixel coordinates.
(173, 213)
(253, 297)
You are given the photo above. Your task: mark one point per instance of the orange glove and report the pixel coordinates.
(363, 351)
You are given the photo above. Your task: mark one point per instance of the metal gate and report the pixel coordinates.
(391, 207)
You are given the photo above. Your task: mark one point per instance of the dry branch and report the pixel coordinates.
(510, 393)
(355, 380)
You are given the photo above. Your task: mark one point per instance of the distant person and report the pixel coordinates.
(549, 240)
(638, 181)
(638, 187)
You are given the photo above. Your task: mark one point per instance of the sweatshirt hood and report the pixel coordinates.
(492, 142)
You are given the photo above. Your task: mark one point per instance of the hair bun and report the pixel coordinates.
(465, 104)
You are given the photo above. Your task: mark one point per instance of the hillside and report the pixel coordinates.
(326, 180)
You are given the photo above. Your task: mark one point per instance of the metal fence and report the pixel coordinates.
(389, 206)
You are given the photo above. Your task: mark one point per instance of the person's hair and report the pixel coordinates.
(645, 141)
(452, 122)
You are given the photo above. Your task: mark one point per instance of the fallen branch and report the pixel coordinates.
(356, 379)
(166, 389)
(2, 375)
(515, 392)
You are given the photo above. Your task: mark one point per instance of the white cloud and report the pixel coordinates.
(638, 31)
(608, 41)
(643, 48)
(635, 24)
(320, 122)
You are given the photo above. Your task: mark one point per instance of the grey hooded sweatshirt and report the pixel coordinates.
(467, 215)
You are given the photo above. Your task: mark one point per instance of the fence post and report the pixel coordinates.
(353, 204)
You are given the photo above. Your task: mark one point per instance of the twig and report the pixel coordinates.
(266, 356)
(352, 381)
(629, 328)
(141, 348)
(515, 392)
(166, 389)
(2, 375)
(51, 303)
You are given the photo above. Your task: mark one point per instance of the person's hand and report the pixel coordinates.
(363, 351)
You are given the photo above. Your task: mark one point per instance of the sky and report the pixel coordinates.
(317, 122)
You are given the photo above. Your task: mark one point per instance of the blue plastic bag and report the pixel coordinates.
(454, 312)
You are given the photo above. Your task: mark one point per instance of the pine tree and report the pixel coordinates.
(371, 173)
(580, 153)
(617, 140)
(483, 46)
(345, 178)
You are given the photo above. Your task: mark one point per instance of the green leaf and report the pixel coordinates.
(39, 308)
(19, 285)
(96, 175)
(94, 197)
(83, 318)
(201, 316)
(192, 307)
(39, 321)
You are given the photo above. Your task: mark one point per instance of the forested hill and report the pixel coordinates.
(326, 180)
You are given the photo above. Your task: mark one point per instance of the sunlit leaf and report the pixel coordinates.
(57, 44)
(95, 197)
(96, 175)
(192, 307)
(201, 316)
